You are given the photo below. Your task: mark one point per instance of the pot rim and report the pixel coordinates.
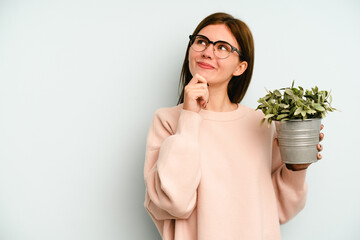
(298, 120)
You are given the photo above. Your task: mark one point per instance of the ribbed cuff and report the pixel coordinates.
(294, 178)
(189, 122)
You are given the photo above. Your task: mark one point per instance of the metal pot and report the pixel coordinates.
(298, 140)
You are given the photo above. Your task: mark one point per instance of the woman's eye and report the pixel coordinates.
(223, 47)
(200, 42)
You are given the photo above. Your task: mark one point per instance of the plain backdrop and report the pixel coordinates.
(79, 84)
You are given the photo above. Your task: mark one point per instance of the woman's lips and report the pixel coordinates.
(205, 65)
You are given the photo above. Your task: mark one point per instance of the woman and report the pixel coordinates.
(211, 171)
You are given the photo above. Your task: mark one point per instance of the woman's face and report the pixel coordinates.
(212, 68)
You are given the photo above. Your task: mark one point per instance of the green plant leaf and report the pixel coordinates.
(289, 92)
(274, 111)
(268, 96)
(299, 102)
(262, 121)
(269, 116)
(318, 107)
(277, 93)
(268, 123)
(282, 116)
(311, 111)
(292, 110)
(298, 111)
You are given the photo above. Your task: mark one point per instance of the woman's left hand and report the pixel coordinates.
(298, 167)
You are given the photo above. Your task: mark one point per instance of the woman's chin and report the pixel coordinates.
(205, 74)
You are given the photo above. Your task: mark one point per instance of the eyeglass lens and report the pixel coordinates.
(221, 49)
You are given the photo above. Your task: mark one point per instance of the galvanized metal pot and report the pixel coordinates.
(298, 140)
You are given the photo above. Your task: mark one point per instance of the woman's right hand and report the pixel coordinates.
(196, 94)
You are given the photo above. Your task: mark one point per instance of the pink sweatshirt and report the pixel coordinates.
(218, 176)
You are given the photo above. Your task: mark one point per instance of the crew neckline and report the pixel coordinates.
(221, 116)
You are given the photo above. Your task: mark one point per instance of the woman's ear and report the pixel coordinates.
(240, 68)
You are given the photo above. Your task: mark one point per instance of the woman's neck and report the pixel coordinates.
(219, 100)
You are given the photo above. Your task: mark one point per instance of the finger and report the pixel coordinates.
(319, 156)
(197, 86)
(321, 137)
(200, 86)
(200, 78)
(197, 79)
(298, 167)
(207, 95)
(199, 95)
(203, 102)
(322, 127)
(319, 147)
(276, 142)
(193, 81)
(205, 85)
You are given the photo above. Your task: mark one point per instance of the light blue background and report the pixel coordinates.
(80, 81)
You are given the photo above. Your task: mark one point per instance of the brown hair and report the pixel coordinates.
(238, 85)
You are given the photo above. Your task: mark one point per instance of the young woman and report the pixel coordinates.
(211, 171)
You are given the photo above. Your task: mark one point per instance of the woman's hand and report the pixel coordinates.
(196, 94)
(298, 167)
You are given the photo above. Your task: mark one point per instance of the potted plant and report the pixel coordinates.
(297, 114)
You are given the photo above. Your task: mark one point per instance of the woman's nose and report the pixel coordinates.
(208, 52)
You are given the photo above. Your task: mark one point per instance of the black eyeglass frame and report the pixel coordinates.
(220, 41)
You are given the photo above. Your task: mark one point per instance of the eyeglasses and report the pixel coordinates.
(222, 49)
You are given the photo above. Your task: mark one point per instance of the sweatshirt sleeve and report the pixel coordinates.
(290, 186)
(172, 165)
